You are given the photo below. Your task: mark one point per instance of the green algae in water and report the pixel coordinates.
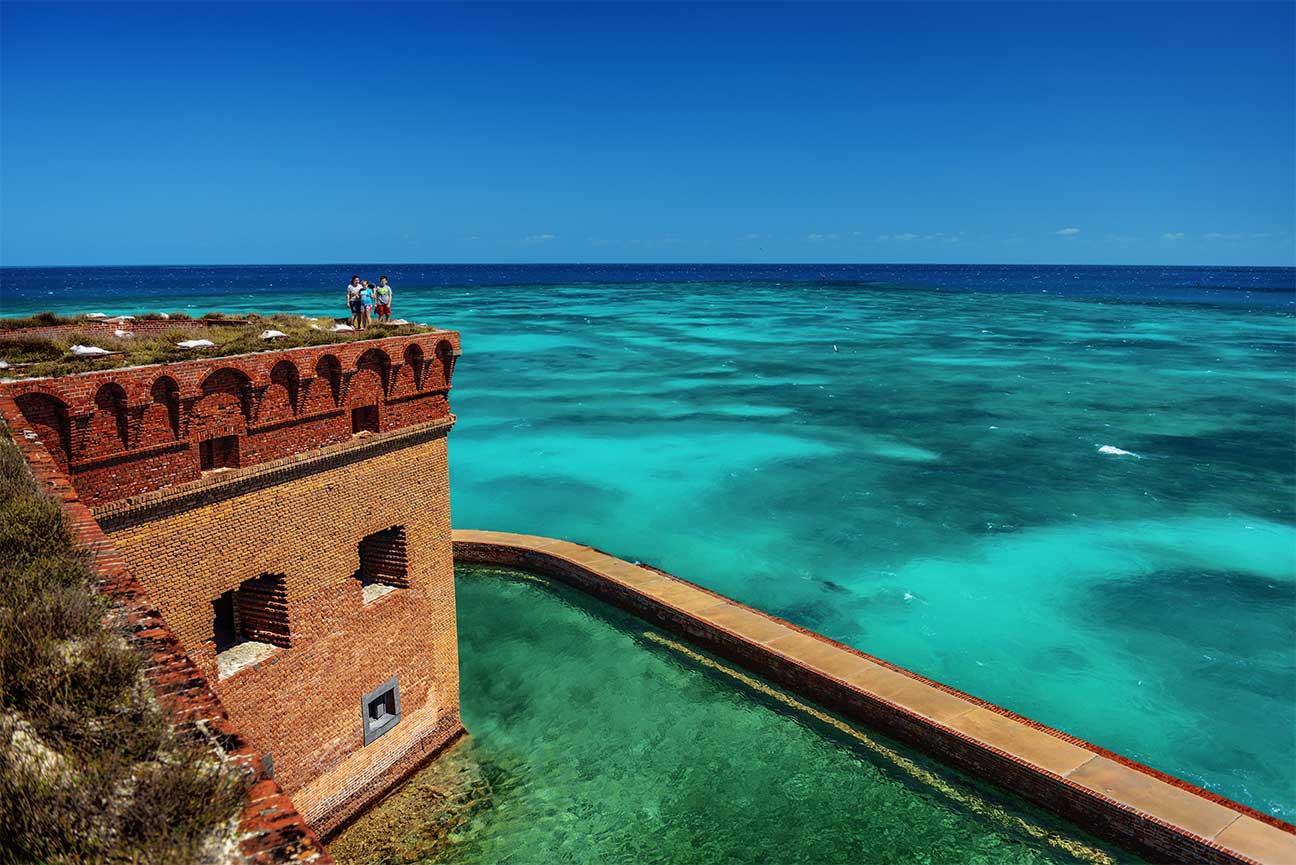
(602, 745)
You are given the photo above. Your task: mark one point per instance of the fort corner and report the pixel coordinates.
(288, 514)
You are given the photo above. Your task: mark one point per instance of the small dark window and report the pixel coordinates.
(364, 419)
(226, 631)
(250, 622)
(384, 559)
(380, 709)
(220, 453)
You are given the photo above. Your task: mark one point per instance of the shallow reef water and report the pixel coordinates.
(919, 462)
(597, 739)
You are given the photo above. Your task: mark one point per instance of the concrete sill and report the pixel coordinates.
(374, 591)
(242, 656)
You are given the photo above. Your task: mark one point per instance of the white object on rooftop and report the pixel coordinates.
(163, 315)
(272, 334)
(88, 350)
(95, 315)
(400, 321)
(195, 343)
(337, 327)
(122, 333)
(4, 364)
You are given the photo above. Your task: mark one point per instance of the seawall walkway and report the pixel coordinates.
(1157, 815)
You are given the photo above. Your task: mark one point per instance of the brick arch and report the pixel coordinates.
(216, 415)
(415, 361)
(48, 416)
(232, 382)
(365, 388)
(108, 431)
(329, 370)
(285, 373)
(443, 367)
(160, 421)
(377, 361)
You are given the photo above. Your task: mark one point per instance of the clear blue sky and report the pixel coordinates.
(249, 132)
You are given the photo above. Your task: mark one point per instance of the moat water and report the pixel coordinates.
(1071, 491)
(597, 739)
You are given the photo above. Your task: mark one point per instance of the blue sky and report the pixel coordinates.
(1075, 132)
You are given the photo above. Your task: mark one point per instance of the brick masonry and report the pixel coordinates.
(122, 432)
(279, 526)
(1157, 815)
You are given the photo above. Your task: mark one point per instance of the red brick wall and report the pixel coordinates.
(304, 518)
(119, 433)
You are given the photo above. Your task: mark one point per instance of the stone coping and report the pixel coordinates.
(1159, 816)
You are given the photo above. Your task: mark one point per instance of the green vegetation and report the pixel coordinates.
(31, 356)
(90, 768)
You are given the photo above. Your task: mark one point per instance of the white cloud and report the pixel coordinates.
(1173, 235)
(904, 236)
(1067, 232)
(538, 238)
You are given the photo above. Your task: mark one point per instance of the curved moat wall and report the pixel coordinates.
(1152, 813)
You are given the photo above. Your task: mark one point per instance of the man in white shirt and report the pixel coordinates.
(353, 300)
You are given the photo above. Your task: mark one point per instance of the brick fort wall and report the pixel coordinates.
(288, 513)
(302, 702)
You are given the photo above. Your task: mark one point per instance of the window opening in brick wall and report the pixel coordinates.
(384, 563)
(364, 419)
(218, 453)
(250, 623)
(380, 709)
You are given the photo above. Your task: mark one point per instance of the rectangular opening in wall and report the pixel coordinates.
(223, 626)
(218, 453)
(364, 419)
(384, 562)
(250, 623)
(380, 709)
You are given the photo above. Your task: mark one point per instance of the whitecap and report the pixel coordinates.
(1115, 451)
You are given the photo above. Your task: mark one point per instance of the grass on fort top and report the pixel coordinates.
(90, 768)
(34, 355)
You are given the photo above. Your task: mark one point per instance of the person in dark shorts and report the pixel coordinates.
(382, 300)
(353, 300)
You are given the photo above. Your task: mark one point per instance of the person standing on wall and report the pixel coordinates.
(383, 299)
(366, 304)
(353, 300)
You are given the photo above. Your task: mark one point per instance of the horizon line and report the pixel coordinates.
(646, 264)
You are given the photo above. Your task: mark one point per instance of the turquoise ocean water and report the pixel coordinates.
(603, 744)
(907, 460)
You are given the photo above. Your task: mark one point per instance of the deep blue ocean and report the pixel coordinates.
(1068, 490)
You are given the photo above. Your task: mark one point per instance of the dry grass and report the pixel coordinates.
(90, 768)
(39, 356)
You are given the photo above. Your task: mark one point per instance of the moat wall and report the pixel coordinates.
(1157, 815)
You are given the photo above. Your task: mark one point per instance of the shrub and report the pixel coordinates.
(91, 770)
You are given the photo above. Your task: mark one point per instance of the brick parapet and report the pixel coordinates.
(270, 829)
(1155, 814)
(122, 432)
